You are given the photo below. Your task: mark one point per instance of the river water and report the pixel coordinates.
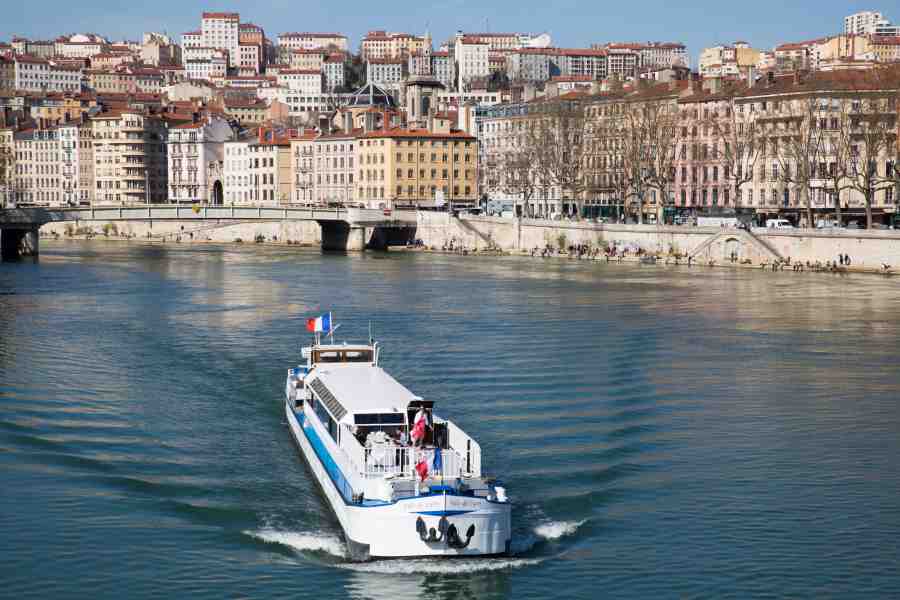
(662, 432)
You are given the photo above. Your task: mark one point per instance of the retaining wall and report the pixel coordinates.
(866, 248)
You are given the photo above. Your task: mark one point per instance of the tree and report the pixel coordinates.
(518, 169)
(834, 118)
(561, 141)
(797, 143)
(740, 138)
(637, 156)
(661, 121)
(873, 133)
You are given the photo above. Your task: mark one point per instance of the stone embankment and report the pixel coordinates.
(867, 249)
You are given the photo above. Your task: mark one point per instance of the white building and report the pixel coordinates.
(334, 71)
(333, 168)
(221, 30)
(471, 58)
(206, 69)
(305, 82)
(192, 148)
(38, 75)
(863, 23)
(386, 73)
(258, 170)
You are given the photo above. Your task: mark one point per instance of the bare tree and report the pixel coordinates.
(563, 146)
(873, 133)
(740, 137)
(518, 169)
(834, 119)
(798, 145)
(663, 142)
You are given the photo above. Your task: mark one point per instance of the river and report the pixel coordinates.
(663, 432)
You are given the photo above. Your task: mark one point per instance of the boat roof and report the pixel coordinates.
(352, 389)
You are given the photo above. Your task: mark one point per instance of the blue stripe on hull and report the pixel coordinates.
(443, 513)
(334, 472)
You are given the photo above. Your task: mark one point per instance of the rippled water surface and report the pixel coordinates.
(663, 433)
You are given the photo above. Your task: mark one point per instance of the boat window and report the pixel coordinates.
(361, 356)
(326, 419)
(379, 419)
(338, 356)
(330, 356)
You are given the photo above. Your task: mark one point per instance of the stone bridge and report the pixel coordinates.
(343, 229)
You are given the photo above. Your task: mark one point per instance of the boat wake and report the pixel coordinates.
(303, 542)
(306, 543)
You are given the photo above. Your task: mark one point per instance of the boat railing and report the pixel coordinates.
(390, 459)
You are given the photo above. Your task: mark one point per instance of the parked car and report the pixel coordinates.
(779, 224)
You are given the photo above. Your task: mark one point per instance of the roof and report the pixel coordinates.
(360, 389)
(312, 35)
(416, 133)
(222, 15)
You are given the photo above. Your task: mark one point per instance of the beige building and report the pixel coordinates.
(307, 60)
(7, 75)
(129, 157)
(381, 44)
(302, 166)
(397, 167)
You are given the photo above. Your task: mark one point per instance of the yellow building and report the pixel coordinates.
(381, 44)
(403, 167)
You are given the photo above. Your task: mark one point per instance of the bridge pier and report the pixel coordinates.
(19, 242)
(339, 236)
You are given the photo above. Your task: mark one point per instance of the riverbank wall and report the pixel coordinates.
(307, 233)
(866, 248)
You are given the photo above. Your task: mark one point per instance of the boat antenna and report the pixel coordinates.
(371, 337)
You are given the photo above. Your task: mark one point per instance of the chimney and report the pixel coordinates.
(431, 118)
(261, 134)
(348, 121)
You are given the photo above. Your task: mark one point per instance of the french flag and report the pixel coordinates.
(319, 324)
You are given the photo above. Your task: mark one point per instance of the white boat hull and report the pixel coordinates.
(389, 530)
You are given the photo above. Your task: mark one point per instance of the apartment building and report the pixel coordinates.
(383, 45)
(251, 49)
(864, 23)
(511, 41)
(334, 162)
(728, 60)
(471, 58)
(129, 157)
(76, 163)
(386, 73)
(304, 82)
(334, 69)
(258, 169)
(531, 64)
(191, 150)
(587, 62)
(310, 41)
(221, 30)
(307, 60)
(303, 166)
(7, 75)
(398, 166)
(38, 166)
(127, 79)
(38, 75)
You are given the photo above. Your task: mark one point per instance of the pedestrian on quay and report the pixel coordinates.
(847, 260)
(841, 257)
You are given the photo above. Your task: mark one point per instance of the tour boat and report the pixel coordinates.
(402, 481)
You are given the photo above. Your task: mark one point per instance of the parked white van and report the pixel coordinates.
(778, 224)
